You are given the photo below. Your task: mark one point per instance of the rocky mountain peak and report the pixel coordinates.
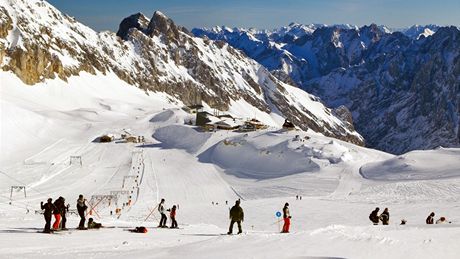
(161, 24)
(138, 21)
(372, 33)
(38, 43)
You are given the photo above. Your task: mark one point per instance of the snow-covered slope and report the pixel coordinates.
(37, 42)
(415, 165)
(45, 126)
(194, 169)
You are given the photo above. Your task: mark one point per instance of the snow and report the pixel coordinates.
(42, 126)
(416, 165)
(181, 137)
(417, 31)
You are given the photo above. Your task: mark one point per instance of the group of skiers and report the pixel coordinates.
(237, 216)
(376, 218)
(385, 218)
(59, 210)
(172, 215)
(430, 219)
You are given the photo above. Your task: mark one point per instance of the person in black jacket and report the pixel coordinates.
(64, 209)
(48, 207)
(93, 225)
(374, 217)
(430, 219)
(385, 217)
(81, 208)
(236, 215)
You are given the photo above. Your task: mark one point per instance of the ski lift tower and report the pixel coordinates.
(18, 188)
(76, 160)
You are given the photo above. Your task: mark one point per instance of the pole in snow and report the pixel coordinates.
(278, 215)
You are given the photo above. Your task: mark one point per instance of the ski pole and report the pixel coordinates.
(151, 212)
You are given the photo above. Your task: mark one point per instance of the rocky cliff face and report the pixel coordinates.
(402, 88)
(37, 43)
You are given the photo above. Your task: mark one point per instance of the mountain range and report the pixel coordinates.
(398, 89)
(402, 87)
(39, 43)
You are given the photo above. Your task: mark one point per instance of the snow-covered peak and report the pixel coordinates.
(294, 30)
(160, 14)
(417, 31)
(161, 24)
(156, 55)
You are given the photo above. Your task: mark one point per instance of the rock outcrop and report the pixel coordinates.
(138, 21)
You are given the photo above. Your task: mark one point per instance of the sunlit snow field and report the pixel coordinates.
(340, 183)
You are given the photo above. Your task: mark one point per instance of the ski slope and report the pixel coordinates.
(340, 183)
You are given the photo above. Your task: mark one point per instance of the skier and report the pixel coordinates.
(81, 208)
(161, 209)
(93, 225)
(430, 219)
(57, 213)
(374, 216)
(236, 215)
(64, 210)
(286, 218)
(441, 220)
(172, 215)
(48, 207)
(138, 230)
(385, 217)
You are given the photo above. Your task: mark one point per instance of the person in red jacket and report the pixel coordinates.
(286, 218)
(57, 213)
(172, 215)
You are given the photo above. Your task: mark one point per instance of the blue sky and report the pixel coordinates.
(266, 14)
